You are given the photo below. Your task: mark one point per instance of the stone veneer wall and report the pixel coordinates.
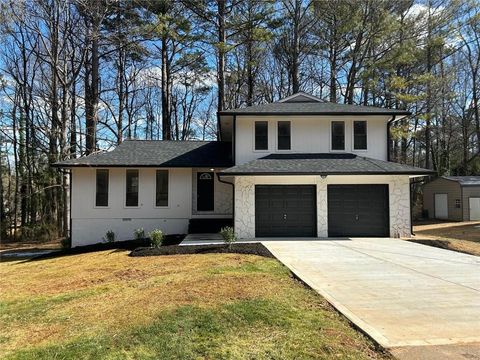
(322, 207)
(244, 222)
(399, 201)
(399, 197)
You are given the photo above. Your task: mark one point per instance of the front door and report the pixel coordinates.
(205, 191)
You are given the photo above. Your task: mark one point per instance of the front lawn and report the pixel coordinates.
(215, 306)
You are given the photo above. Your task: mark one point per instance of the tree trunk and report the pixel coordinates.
(166, 120)
(91, 111)
(221, 55)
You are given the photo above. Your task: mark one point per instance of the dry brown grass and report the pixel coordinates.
(458, 236)
(56, 300)
(29, 245)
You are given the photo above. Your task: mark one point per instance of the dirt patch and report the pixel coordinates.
(131, 274)
(461, 231)
(456, 236)
(253, 249)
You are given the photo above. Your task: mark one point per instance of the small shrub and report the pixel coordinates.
(156, 237)
(139, 234)
(228, 235)
(65, 242)
(109, 236)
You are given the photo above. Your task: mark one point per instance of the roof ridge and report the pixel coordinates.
(300, 93)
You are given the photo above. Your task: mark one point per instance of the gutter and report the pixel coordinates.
(425, 173)
(329, 113)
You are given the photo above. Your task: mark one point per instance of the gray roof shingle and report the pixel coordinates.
(157, 153)
(465, 180)
(312, 108)
(322, 164)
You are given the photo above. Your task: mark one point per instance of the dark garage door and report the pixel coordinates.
(285, 210)
(358, 210)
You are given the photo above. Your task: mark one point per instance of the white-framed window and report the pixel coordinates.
(101, 188)
(338, 135)
(131, 187)
(360, 135)
(284, 141)
(161, 188)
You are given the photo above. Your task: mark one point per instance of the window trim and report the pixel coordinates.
(168, 190)
(276, 147)
(254, 137)
(95, 192)
(344, 136)
(125, 190)
(353, 135)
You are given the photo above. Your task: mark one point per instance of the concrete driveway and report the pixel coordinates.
(400, 293)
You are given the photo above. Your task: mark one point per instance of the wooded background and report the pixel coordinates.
(78, 76)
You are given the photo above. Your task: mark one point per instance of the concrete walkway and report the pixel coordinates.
(400, 293)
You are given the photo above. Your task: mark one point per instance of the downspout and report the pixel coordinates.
(219, 128)
(234, 133)
(70, 178)
(233, 195)
(412, 183)
(389, 136)
(69, 173)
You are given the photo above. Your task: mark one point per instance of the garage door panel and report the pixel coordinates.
(285, 210)
(358, 210)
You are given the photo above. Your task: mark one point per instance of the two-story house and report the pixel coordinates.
(299, 167)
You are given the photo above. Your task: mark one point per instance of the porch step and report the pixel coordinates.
(207, 226)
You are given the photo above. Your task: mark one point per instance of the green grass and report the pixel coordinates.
(219, 306)
(31, 308)
(191, 332)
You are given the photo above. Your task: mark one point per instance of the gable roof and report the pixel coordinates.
(322, 164)
(305, 104)
(464, 180)
(158, 153)
(301, 97)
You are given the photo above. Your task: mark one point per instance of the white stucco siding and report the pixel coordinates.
(90, 223)
(309, 134)
(399, 199)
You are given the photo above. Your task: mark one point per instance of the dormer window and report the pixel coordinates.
(261, 135)
(338, 135)
(359, 135)
(283, 131)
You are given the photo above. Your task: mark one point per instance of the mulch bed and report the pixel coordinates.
(251, 248)
(170, 240)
